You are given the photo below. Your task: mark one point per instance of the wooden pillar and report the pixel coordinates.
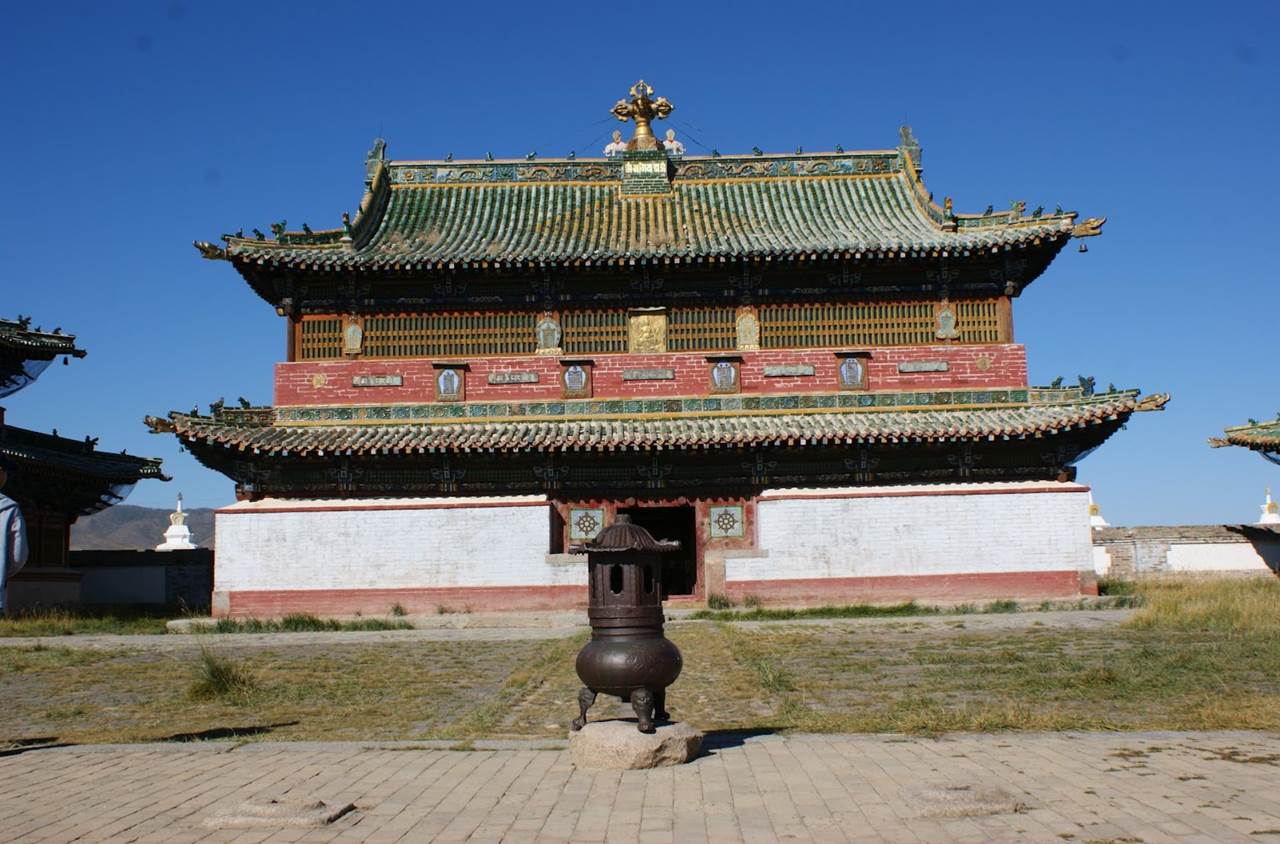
(292, 337)
(1004, 312)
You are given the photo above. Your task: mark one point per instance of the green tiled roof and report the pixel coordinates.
(67, 474)
(26, 352)
(432, 214)
(256, 432)
(1258, 436)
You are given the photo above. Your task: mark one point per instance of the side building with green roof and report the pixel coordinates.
(800, 366)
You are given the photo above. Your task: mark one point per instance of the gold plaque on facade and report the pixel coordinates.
(647, 332)
(747, 328)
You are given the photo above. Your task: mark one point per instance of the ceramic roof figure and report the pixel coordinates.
(670, 145)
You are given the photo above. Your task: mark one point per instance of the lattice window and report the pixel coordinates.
(321, 338)
(978, 322)
(863, 324)
(594, 332)
(456, 334)
(701, 329)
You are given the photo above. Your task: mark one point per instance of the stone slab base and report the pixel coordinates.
(619, 746)
(944, 588)
(273, 814)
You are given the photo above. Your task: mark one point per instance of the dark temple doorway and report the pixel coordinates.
(679, 568)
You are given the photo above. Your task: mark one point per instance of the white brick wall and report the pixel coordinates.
(386, 544)
(909, 531)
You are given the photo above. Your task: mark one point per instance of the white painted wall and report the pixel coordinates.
(1101, 560)
(381, 544)
(920, 530)
(1213, 556)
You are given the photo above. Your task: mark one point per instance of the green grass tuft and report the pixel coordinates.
(64, 622)
(219, 678)
(302, 623)
(719, 602)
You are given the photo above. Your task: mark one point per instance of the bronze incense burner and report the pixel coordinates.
(628, 656)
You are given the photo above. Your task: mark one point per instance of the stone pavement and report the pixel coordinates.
(1103, 787)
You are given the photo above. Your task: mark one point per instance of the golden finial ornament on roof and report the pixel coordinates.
(642, 109)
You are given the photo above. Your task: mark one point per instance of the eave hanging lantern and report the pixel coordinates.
(628, 655)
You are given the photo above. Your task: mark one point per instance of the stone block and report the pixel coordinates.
(619, 746)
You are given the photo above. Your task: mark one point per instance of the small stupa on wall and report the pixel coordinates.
(178, 536)
(1270, 511)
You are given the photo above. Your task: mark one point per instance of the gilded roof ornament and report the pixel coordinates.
(642, 109)
(1155, 401)
(1091, 227)
(209, 250)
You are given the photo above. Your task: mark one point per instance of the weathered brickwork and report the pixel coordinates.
(968, 366)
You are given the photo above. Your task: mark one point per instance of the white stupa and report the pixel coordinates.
(1270, 512)
(1095, 515)
(178, 536)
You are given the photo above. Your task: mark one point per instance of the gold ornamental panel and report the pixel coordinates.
(647, 332)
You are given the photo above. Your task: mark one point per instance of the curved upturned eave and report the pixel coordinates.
(607, 434)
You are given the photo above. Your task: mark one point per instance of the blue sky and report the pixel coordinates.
(134, 128)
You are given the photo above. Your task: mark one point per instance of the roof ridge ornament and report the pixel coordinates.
(642, 110)
(911, 146)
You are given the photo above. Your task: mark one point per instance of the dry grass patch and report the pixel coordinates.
(1245, 606)
(125, 622)
(1212, 664)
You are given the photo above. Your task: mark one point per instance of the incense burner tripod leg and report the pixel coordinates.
(642, 701)
(586, 697)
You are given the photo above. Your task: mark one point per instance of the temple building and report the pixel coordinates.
(799, 366)
(54, 479)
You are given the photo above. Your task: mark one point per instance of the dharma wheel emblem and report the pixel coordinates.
(726, 521)
(587, 524)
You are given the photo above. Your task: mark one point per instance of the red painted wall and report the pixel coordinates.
(297, 383)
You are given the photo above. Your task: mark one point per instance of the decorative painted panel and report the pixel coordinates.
(726, 522)
(450, 383)
(575, 378)
(585, 524)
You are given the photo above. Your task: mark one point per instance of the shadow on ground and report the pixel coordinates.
(714, 740)
(229, 732)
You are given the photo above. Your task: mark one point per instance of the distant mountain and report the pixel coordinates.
(126, 528)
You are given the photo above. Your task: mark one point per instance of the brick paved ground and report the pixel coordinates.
(1108, 787)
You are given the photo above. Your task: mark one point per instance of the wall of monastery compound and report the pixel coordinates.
(943, 541)
(342, 556)
(1156, 551)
